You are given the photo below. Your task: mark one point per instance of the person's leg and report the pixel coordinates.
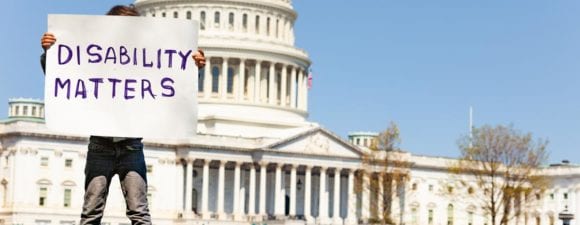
(98, 173)
(133, 176)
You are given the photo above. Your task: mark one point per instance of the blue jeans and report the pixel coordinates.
(106, 158)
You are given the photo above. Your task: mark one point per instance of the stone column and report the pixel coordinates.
(224, 79)
(351, 212)
(241, 82)
(283, 86)
(237, 206)
(293, 88)
(221, 186)
(293, 191)
(271, 85)
(188, 186)
(307, 194)
(205, 191)
(323, 195)
(179, 187)
(207, 78)
(258, 82)
(381, 196)
(278, 200)
(263, 173)
(336, 202)
(300, 99)
(252, 195)
(365, 198)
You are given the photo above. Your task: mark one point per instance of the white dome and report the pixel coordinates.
(264, 87)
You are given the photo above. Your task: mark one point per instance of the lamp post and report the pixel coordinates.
(566, 216)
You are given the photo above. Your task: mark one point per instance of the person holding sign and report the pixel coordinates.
(108, 156)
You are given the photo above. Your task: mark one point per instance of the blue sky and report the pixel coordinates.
(420, 64)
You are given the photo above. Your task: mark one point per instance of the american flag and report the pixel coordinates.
(310, 78)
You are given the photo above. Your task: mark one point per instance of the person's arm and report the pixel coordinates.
(46, 42)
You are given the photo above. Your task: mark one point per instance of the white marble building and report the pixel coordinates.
(256, 158)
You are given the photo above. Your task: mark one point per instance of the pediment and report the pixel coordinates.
(317, 141)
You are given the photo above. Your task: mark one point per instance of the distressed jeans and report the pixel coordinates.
(106, 158)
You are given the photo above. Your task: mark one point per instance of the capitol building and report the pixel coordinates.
(256, 158)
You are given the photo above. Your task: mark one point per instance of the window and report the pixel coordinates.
(551, 196)
(25, 110)
(414, 186)
(149, 168)
(470, 190)
(414, 219)
(216, 19)
(470, 218)
(449, 189)
(268, 26)
(68, 163)
(231, 21)
(16, 110)
(538, 220)
(33, 111)
(44, 161)
(358, 141)
(538, 196)
(188, 15)
(277, 26)
(43, 192)
(365, 142)
(430, 216)
(153, 14)
(430, 187)
(215, 76)
(163, 14)
(450, 214)
(67, 197)
(565, 196)
(245, 22)
(200, 78)
(175, 15)
(257, 30)
(552, 220)
(230, 87)
(202, 20)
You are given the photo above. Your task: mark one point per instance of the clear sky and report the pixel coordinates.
(420, 64)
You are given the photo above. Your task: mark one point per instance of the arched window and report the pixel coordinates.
(450, 214)
(245, 22)
(200, 79)
(470, 218)
(42, 195)
(430, 216)
(202, 20)
(215, 79)
(175, 15)
(268, 26)
(277, 26)
(231, 21)
(188, 15)
(230, 88)
(216, 19)
(414, 216)
(67, 197)
(257, 24)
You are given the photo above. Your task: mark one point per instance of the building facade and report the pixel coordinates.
(256, 158)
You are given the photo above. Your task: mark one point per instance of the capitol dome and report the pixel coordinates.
(263, 91)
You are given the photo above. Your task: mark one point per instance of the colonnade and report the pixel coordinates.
(254, 81)
(343, 205)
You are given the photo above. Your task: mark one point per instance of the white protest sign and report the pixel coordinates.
(122, 76)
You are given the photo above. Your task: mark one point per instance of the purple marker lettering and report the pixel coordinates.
(78, 55)
(59, 84)
(135, 56)
(170, 53)
(159, 59)
(131, 89)
(168, 87)
(114, 84)
(81, 89)
(94, 54)
(145, 63)
(96, 82)
(110, 55)
(184, 59)
(146, 87)
(60, 52)
(123, 55)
